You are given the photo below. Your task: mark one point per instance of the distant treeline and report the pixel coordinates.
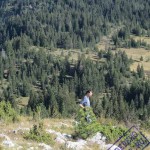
(70, 23)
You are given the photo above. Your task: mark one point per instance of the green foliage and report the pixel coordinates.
(146, 125)
(37, 133)
(56, 84)
(136, 31)
(112, 133)
(67, 24)
(85, 129)
(7, 113)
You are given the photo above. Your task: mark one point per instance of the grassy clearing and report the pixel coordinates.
(22, 101)
(136, 54)
(144, 39)
(75, 54)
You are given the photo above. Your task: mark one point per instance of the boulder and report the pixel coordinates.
(99, 139)
(8, 143)
(61, 138)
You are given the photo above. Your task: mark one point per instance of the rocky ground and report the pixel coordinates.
(11, 137)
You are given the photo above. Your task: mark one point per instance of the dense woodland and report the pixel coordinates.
(55, 85)
(70, 23)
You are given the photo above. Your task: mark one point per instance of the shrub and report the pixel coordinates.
(7, 113)
(85, 129)
(37, 133)
(112, 133)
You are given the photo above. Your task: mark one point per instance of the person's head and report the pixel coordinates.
(89, 93)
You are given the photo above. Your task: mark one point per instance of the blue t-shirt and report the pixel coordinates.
(85, 101)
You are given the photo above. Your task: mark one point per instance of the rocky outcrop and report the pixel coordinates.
(99, 139)
(6, 142)
(63, 139)
(77, 145)
(45, 146)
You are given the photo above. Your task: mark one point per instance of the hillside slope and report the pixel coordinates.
(69, 23)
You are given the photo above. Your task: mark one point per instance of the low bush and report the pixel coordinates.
(85, 128)
(37, 133)
(7, 113)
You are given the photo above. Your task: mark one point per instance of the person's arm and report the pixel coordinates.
(81, 105)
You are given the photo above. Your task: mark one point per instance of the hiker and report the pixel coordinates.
(85, 103)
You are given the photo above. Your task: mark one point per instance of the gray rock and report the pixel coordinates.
(20, 130)
(103, 138)
(98, 139)
(8, 143)
(60, 140)
(45, 146)
(68, 136)
(78, 145)
(51, 131)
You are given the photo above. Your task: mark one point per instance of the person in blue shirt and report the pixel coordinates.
(85, 101)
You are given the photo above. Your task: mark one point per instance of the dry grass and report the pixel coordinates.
(74, 54)
(101, 46)
(144, 39)
(135, 54)
(59, 125)
(22, 101)
(148, 148)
